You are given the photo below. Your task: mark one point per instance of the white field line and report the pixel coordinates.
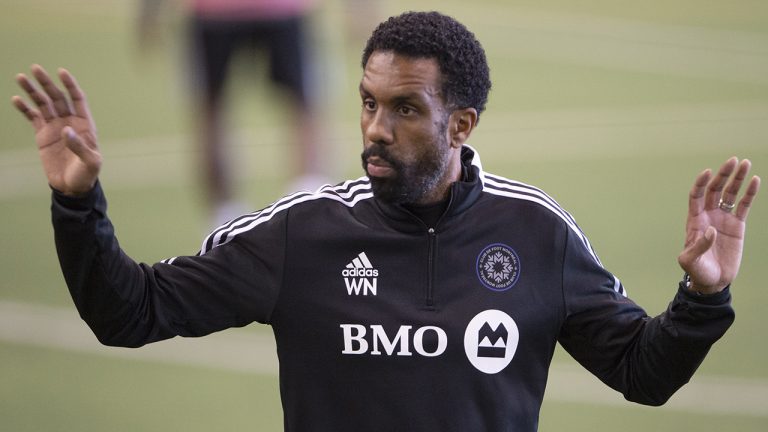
(620, 43)
(578, 134)
(62, 328)
(610, 134)
(254, 352)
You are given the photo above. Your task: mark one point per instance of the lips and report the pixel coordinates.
(378, 167)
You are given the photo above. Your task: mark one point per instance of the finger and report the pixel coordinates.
(691, 237)
(731, 191)
(90, 157)
(75, 93)
(749, 196)
(39, 98)
(59, 101)
(696, 195)
(696, 249)
(30, 113)
(717, 183)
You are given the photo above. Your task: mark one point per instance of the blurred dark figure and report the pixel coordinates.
(218, 29)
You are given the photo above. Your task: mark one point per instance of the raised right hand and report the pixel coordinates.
(64, 131)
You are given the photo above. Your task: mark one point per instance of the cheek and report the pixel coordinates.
(364, 122)
(432, 138)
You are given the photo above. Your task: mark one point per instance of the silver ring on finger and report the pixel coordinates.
(726, 206)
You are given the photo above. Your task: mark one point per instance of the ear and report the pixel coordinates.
(461, 124)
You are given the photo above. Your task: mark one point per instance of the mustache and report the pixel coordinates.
(380, 152)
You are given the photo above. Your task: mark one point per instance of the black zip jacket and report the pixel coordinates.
(383, 323)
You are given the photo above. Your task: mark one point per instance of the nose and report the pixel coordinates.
(377, 127)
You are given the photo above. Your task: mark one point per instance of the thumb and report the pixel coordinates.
(698, 248)
(73, 141)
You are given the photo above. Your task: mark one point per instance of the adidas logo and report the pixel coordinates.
(360, 277)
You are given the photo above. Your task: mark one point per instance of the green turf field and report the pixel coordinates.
(611, 109)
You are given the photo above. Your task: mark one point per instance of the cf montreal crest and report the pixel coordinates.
(498, 267)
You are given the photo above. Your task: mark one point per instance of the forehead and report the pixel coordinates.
(387, 72)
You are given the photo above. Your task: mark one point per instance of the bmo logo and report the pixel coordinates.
(427, 341)
(490, 341)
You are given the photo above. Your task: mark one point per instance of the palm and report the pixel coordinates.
(720, 263)
(64, 169)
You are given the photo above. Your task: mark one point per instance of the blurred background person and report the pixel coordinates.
(276, 33)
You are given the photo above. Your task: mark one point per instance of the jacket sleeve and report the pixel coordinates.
(646, 359)
(130, 304)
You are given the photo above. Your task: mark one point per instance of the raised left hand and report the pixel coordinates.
(716, 225)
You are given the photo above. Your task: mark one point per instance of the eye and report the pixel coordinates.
(405, 110)
(369, 105)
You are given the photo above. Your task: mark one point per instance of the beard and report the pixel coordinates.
(412, 180)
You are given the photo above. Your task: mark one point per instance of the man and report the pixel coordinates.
(218, 31)
(428, 295)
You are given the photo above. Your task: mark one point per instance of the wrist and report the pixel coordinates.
(75, 193)
(83, 201)
(690, 286)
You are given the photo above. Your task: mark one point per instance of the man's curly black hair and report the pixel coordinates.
(461, 58)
